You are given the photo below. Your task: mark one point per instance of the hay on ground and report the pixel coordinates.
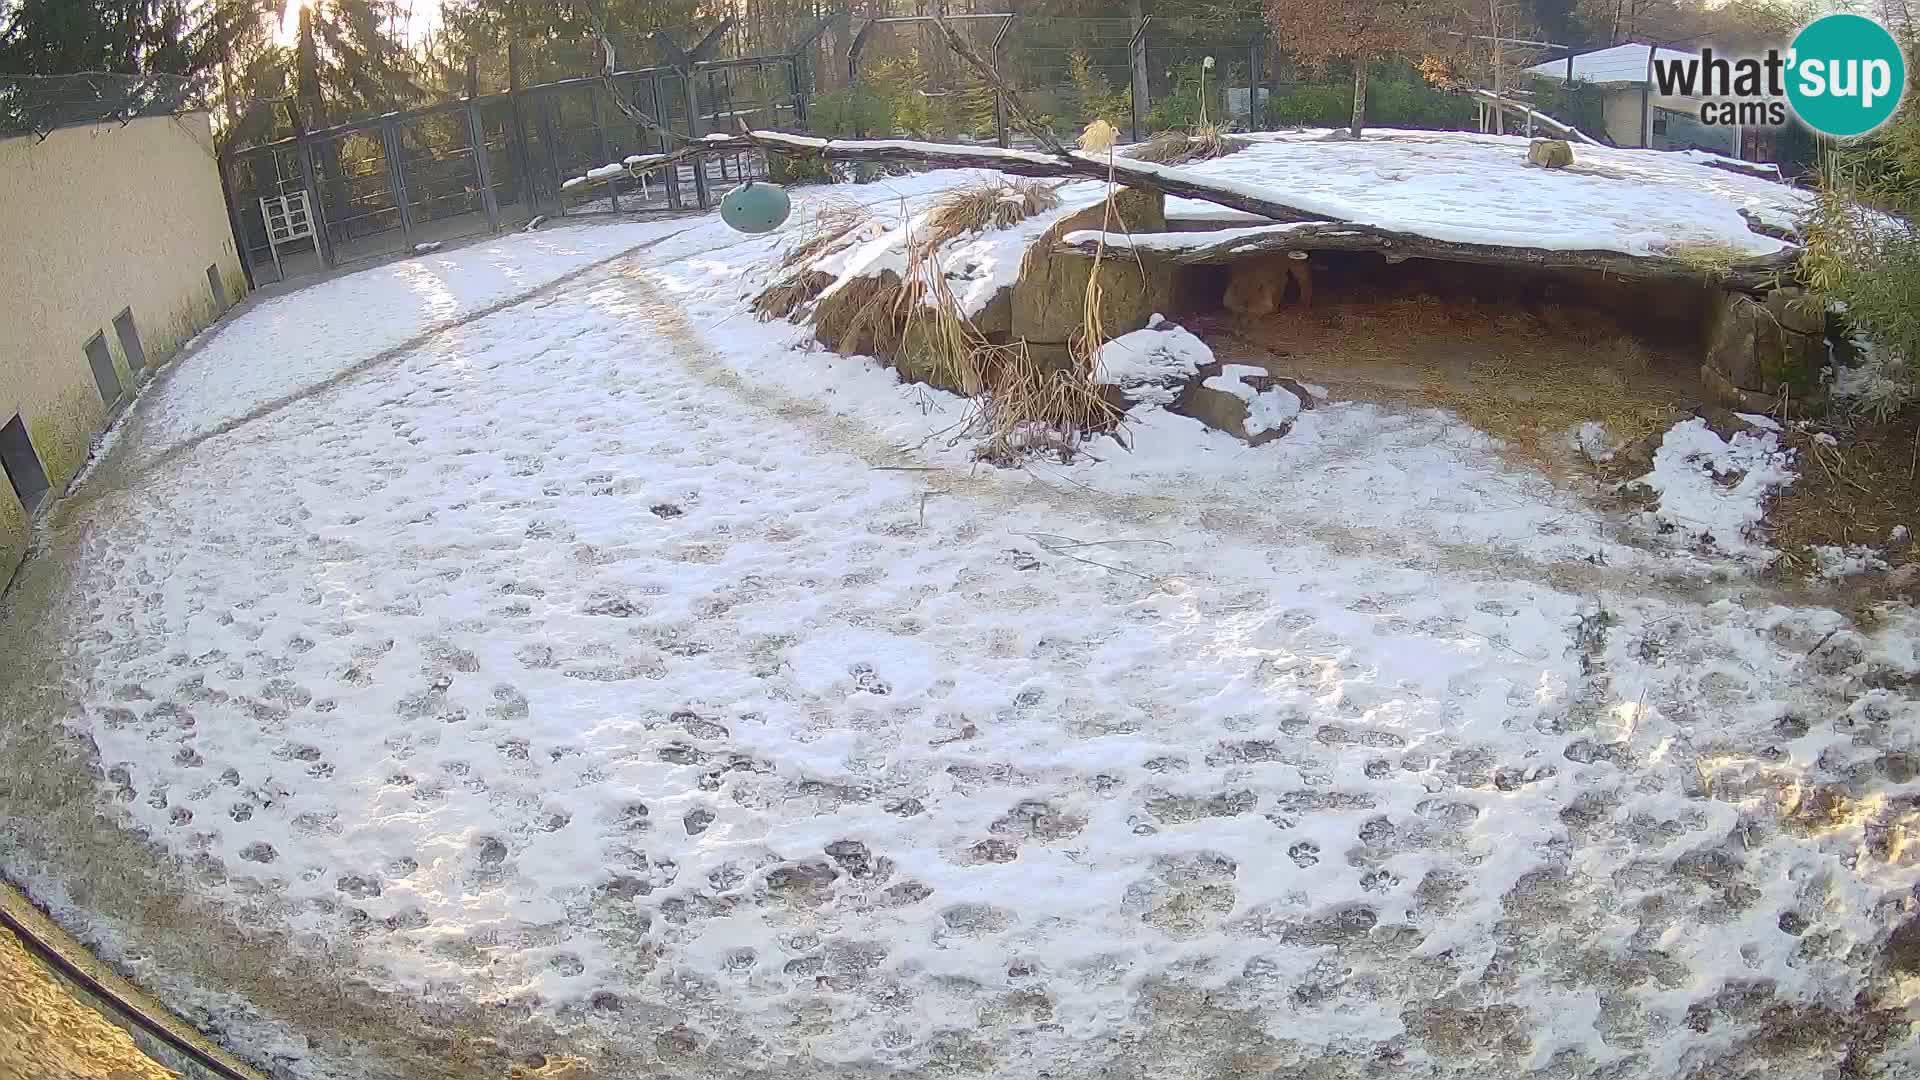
(1525, 379)
(1179, 147)
(1031, 407)
(1853, 492)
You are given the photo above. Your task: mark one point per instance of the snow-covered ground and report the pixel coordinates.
(618, 663)
(1471, 188)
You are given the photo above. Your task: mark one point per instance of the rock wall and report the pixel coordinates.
(1049, 298)
(1759, 349)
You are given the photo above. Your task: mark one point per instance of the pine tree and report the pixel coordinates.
(350, 62)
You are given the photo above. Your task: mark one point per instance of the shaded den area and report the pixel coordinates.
(1522, 352)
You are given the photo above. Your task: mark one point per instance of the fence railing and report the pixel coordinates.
(389, 184)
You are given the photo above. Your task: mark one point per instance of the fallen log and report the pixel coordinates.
(1167, 179)
(1327, 228)
(1231, 245)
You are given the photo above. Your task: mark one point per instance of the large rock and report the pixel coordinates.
(1794, 309)
(1766, 349)
(1725, 393)
(1550, 153)
(1049, 300)
(1736, 326)
(1243, 401)
(995, 320)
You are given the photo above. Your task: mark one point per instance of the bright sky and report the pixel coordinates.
(416, 19)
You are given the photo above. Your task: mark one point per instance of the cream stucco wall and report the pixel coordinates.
(1623, 109)
(94, 220)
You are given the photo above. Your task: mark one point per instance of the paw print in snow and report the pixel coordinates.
(868, 681)
(1379, 880)
(1304, 854)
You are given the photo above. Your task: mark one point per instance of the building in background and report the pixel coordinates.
(1636, 113)
(115, 248)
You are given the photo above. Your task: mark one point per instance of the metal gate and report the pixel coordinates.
(389, 184)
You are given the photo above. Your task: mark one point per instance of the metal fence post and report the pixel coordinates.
(482, 168)
(999, 99)
(396, 178)
(543, 115)
(522, 158)
(317, 206)
(600, 129)
(227, 188)
(1137, 60)
(799, 79)
(693, 132)
(665, 119)
(1253, 84)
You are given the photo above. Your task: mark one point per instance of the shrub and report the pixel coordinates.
(1098, 99)
(1180, 109)
(887, 101)
(1863, 246)
(850, 110)
(1391, 102)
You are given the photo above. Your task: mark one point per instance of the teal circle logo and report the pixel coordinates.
(1846, 75)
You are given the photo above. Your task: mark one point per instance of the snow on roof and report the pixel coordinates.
(1622, 64)
(1470, 188)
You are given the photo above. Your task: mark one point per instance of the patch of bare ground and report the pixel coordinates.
(1855, 491)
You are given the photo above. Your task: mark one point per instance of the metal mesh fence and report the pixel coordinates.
(391, 183)
(1145, 77)
(41, 104)
(1142, 77)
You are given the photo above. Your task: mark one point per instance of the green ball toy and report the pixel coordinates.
(756, 207)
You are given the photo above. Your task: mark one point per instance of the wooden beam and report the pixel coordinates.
(1140, 174)
(1234, 245)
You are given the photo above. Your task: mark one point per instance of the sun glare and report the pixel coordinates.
(289, 29)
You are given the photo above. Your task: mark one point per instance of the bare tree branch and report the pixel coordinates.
(1015, 109)
(609, 67)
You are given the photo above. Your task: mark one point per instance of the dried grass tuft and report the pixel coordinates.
(1020, 404)
(1707, 257)
(1203, 143)
(993, 204)
(864, 316)
(790, 294)
(834, 225)
(1030, 407)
